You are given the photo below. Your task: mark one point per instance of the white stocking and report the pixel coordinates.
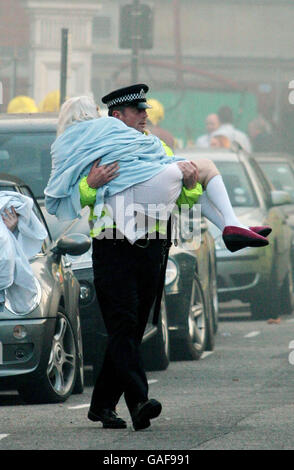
(210, 211)
(217, 194)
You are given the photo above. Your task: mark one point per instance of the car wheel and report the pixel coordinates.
(56, 383)
(156, 351)
(193, 342)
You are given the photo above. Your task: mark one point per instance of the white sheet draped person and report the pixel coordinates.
(151, 201)
(17, 279)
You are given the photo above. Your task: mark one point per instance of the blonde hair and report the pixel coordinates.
(220, 141)
(78, 109)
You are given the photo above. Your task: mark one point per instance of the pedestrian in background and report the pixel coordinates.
(228, 129)
(261, 138)
(220, 141)
(212, 123)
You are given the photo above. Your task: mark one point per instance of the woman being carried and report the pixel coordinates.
(146, 174)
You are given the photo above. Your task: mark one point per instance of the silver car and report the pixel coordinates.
(279, 170)
(259, 276)
(41, 352)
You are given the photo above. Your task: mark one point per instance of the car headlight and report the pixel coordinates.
(31, 303)
(171, 272)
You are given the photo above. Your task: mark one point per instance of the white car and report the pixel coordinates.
(259, 276)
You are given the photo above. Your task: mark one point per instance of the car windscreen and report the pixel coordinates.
(280, 175)
(238, 184)
(27, 156)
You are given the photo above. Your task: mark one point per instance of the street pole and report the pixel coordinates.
(135, 40)
(177, 42)
(64, 64)
(14, 74)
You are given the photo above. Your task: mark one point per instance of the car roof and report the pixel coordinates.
(33, 122)
(273, 156)
(10, 180)
(223, 155)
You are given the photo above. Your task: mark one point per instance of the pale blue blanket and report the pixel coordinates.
(140, 158)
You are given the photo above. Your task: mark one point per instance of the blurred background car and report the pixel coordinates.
(259, 276)
(189, 310)
(279, 170)
(41, 352)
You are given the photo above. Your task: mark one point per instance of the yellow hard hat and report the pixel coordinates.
(51, 102)
(156, 113)
(22, 104)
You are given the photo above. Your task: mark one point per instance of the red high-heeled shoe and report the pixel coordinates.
(263, 230)
(236, 238)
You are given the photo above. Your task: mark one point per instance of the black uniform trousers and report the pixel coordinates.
(126, 280)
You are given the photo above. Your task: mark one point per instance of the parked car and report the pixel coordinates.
(41, 351)
(25, 142)
(260, 276)
(279, 170)
(191, 295)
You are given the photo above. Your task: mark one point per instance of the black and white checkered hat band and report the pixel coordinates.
(126, 99)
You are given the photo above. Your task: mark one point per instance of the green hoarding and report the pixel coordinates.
(185, 111)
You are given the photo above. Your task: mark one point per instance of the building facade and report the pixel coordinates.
(208, 45)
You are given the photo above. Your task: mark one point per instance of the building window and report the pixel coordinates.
(101, 28)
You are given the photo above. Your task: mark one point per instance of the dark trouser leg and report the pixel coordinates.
(147, 285)
(126, 284)
(115, 269)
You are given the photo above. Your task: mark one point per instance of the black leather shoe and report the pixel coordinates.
(108, 417)
(143, 412)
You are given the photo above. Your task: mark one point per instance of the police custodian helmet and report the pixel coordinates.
(134, 95)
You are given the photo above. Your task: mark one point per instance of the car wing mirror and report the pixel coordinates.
(75, 244)
(280, 198)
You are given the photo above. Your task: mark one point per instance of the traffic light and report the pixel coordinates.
(136, 18)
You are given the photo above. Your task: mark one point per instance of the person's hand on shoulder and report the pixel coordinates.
(100, 175)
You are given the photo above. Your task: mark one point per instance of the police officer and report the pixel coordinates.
(126, 279)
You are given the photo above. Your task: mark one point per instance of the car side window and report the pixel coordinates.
(26, 191)
(238, 184)
(27, 156)
(263, 184)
